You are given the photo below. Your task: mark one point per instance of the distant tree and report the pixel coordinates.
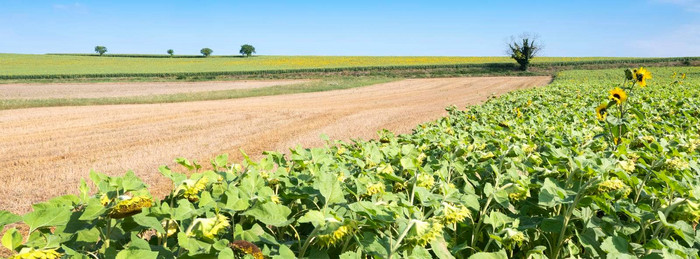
(206, 51)
(247, 50)
(523, 49)
(171, 52)
(100, 50)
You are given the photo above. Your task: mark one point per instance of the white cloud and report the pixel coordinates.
(688, 5)
(679, 42)
(74, 7)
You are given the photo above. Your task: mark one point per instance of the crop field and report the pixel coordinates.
(114, 139)
(43, 65)
(599, 163)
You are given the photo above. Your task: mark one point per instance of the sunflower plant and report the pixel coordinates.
(614, 113)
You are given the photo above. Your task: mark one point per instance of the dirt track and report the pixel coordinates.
(46, 151)
(99, 90)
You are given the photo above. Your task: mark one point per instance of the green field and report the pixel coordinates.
(532, 174)
(56, 65)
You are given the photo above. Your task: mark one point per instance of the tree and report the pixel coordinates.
(247, 50)
(206, 51)
(171, 52)
(100, 50)
(523, 49)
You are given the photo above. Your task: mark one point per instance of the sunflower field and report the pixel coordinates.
(539, 173)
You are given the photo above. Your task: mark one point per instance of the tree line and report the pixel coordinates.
(246, 50)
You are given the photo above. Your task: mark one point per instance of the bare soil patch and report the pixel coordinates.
(46, 151)
(124, 89)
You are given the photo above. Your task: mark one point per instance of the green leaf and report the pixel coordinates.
(348, 255)
(47, 217)
(234, 202)
(7, 217)
(149, 222)
(314, 217)
(440, 249)
(227, 253)
(497, 219)
(553, 225)
(615, 245)
(270, 214)
(374, 245)
(551, 194)
(221, 160)
(84, 190)
(137, 253)
(285, 252)
(420, 252)
(12, 239)
(93, 210)
(185, 210)
(330, 188)
(496, 255)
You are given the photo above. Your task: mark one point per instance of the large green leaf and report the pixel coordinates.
(47, 217)
(270, 214)
(330, 188)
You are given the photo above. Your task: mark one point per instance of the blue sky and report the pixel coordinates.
(415, 28)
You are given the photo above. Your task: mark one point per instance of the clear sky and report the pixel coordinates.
(637, 28)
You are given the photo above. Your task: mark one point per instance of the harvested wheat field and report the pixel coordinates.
(46, 151)
(101, 90)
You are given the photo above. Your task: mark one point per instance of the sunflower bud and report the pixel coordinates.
(629, 74)
(677, 164)
(423, 232)
(375, 188)
(425, 180)
(454, 213)
(191, 189)
(614, 187)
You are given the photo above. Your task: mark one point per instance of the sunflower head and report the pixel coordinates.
(641, 75)
(601, 111)
(618, 95)
(130, 206)
(208, 228)
(243, 247)
(332, 237)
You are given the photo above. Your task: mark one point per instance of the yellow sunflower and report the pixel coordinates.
(683, 76)
(641, 75)
(618, 95)
(601, 111)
